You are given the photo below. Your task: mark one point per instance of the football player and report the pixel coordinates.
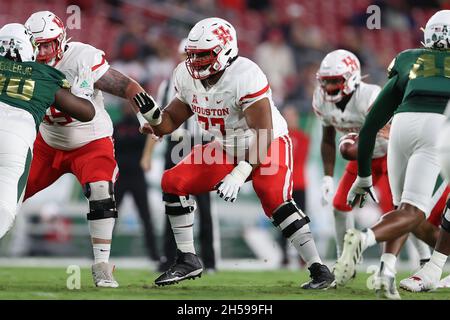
(230, 97)
(341, 101)
(27, 89)
(65, 145)
(415, 96)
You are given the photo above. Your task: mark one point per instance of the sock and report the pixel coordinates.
(101, 229)
(342, 222)
(438, 259)
(368, 238)
(303, 241)
(182, 227)
(101, 252)
(388, 260)
(422, 248)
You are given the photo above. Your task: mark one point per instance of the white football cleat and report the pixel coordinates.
(345, 267)
(445, 282)
(385, 287)
(102, 273)
(426, 279)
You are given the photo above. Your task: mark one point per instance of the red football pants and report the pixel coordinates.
(380, 182)
(90, 163)
(208, 164)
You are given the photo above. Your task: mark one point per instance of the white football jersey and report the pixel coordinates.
(59, 130)
(354, 114)
(220, 108)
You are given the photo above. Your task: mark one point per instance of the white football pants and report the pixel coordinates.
(413, 164)
(17, 135)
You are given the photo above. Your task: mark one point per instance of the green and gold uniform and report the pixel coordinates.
(30, 86)
(415, 95)
(27, 89)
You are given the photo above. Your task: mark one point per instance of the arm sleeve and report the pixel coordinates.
(95, 59)
(382, 110)
(253, 86)
(99, 66)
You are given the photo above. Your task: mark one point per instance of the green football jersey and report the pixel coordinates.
(423, 78)
(30, 86)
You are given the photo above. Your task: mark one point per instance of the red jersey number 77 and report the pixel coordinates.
(211, 122)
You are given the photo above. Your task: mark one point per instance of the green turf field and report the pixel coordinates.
(50, 283)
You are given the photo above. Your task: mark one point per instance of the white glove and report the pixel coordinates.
(327, 190)
(148, 108)
(83, 85)
(229, 187)
(359, 190)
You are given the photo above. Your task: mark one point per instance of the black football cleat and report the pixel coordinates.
(186, 266)
(321, 277)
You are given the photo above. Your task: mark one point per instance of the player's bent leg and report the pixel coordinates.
(180, 211)
(189, 177)
(391, 226)
(101, 220)
(293, 224)
(44, 170)
(17, 136)
(343, 219)
(427, 278)
(272, 182)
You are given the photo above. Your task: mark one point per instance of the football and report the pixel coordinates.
(348, 146)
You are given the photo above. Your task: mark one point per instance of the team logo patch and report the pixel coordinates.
(223, 34)
(349, 61)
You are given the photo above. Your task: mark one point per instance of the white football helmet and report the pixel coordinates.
(339, 75)
(47, 27)
(17, 43)
(211, 47)
(437, 31)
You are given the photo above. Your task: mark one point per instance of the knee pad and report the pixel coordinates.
(102, 204)
(178, 205)
(289, 218)
(445, 224)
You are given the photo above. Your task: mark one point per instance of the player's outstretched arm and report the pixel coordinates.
(120, 85)
(78, 108)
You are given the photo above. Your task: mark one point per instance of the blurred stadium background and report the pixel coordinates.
(140, 38)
